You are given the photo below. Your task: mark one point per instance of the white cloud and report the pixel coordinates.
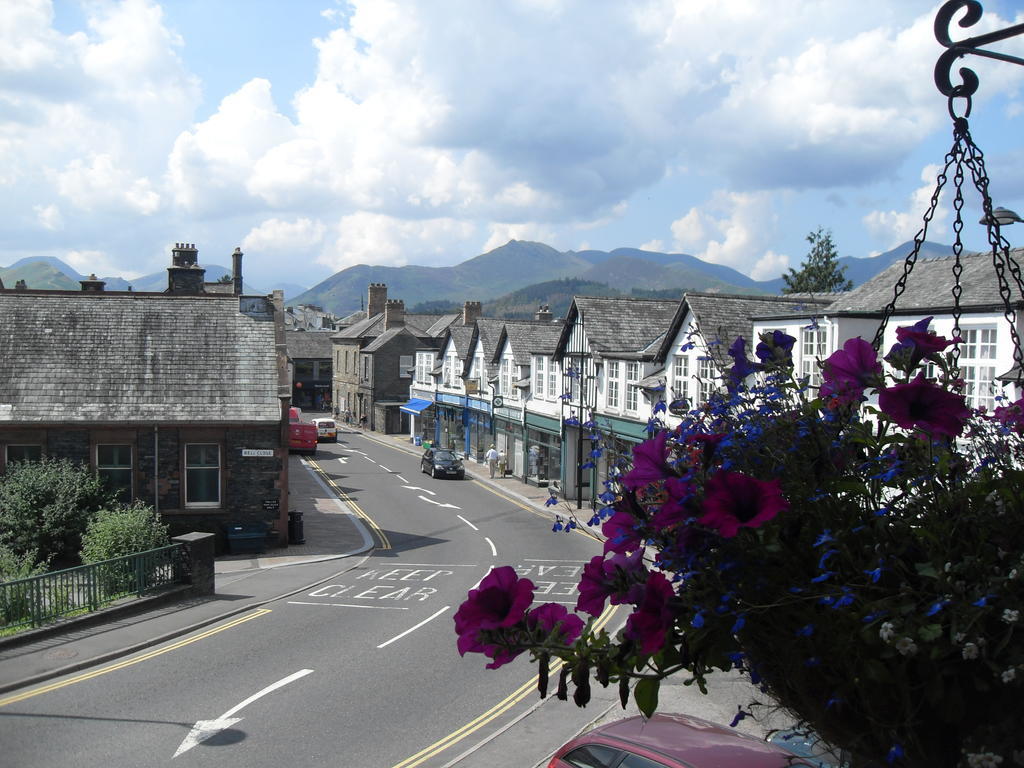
(370, 238)
(97, 263)
(48, 216)
(731, 229)
(98, 183)
(769, 266)
(280, 236)
(895, 227)
(658, 246)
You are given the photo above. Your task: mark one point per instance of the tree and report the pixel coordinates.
(820, 271)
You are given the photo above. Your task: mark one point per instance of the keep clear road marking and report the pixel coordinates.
(417, 488)
(438, 503)
(206, 729)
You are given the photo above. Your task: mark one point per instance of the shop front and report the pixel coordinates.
(479, 432)
(449, 425)
(420, 418)
(510, 439)
(543, 450)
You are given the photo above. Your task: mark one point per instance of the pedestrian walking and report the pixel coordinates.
(502, 464)
(492, 459)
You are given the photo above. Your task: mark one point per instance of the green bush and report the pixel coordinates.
(122, 532)
(46, 506)
(15, 601)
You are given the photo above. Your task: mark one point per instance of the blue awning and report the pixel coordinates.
(416, 406)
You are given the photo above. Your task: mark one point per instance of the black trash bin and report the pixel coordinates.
(295, 532)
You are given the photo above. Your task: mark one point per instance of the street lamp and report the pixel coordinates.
(1001, 216)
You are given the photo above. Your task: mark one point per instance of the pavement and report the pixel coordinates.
(333, 536)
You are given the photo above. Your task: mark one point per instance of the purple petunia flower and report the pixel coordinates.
(552, 617)
(620, 578)
(650, 463)
(921, 404)
(848, 371)
(742, 367)
(733, 500)
(500, 601)
(775, 348)
(650, 623)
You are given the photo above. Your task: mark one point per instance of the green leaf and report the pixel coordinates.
(930, 632)
(645, 694)
(927, 570)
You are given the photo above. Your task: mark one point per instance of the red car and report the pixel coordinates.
(669, 741)
(302, 436)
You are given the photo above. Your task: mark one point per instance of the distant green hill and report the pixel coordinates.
(38, 275)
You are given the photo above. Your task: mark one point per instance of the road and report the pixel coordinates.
(359, 671)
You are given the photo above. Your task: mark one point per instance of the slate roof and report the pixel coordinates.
(382, 340)
(529, 337)
(305, 345)
(617, 326)
(722, 317)
(130, 358)
(929, 286)
(424, 326)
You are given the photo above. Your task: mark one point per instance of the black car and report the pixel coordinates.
(440, 462)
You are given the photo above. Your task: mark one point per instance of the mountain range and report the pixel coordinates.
(493, 276)
(510, 280)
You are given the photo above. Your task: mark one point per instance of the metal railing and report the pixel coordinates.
(38, 600)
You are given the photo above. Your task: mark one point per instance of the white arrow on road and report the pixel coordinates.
(206, 729)
(417, 488)
(438, 503)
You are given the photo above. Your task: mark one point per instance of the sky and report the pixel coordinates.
(321, 134)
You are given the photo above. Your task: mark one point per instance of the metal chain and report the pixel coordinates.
(919, 238)
(965, 152)
(1002, 262)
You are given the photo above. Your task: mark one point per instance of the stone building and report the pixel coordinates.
(177, 399)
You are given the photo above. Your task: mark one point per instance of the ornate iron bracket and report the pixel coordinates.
(972, 45)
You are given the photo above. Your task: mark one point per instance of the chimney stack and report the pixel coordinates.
(236, 271)
(92, 284)
(185, 275)
(543, 314)
(376, 299)
(394, 313)
(470, 312)
(21, 285)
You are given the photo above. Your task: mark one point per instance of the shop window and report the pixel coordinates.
(114, 466)
(202, 475)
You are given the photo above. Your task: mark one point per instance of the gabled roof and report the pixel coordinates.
(618, 325)
(388, 335)
(303, 345)
(486, 332)
(461, 335)
(721, 317)
(929, 286)
(424, 326)
(129, 358)
(527, 338)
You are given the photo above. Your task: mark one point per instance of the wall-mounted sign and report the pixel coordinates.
(271, 505)
(260, 452)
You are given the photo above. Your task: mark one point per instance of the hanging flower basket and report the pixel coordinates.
(856, 550)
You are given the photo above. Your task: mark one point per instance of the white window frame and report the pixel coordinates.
(540, 377)
(554, 374)
(632, 390)
(207, 467)
(405, 362)
(813, 347)
(505, 377)
(613, 371)
(681, 377)
(978, 365)
(706, 374)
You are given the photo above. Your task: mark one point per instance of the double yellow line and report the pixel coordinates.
(385, 543)
(494, 712)
(132, 661)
